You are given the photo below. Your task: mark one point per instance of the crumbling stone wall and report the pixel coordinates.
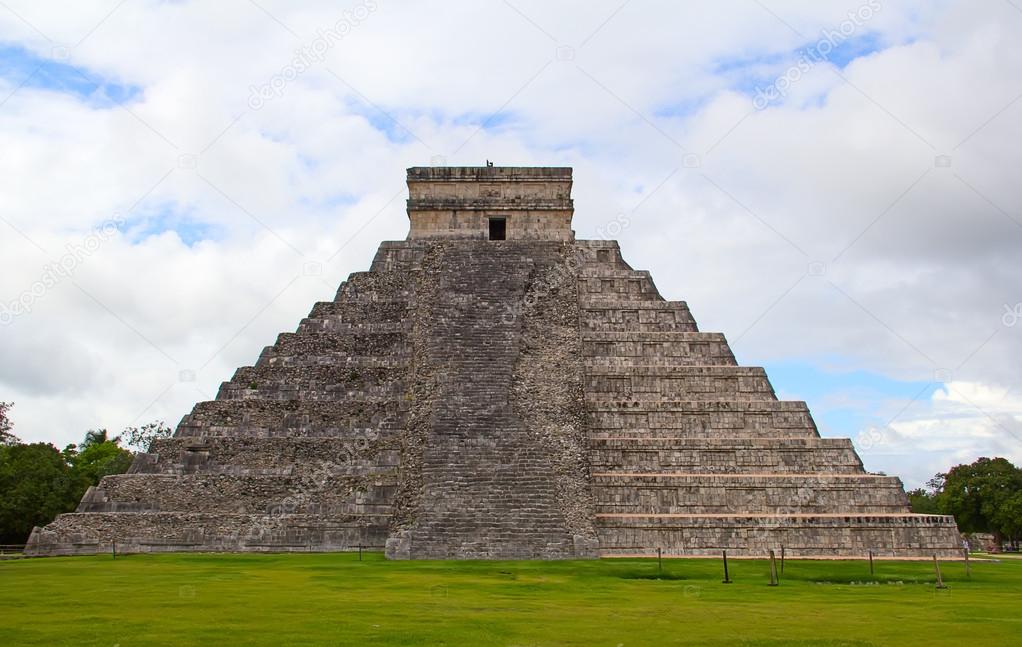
(548, 391)
(425, 379)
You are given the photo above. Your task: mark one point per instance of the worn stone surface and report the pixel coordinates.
(527, 398)
(457, 202)
(692, 454)
(548, 390)
(490, 481)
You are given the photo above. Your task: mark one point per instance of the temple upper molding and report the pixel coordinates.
(490, 202)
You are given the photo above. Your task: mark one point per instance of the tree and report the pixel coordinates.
(97, 456)
(141, 438)
(984, 496)
(38, 481)
(6, 437)
(94, 437)
(1008, 518)
(36, 485)
(923, 501)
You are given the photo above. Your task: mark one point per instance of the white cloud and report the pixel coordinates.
(960, 422)
(920, 260)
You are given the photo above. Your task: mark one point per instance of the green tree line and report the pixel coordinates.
(39, 481)
(984, 496)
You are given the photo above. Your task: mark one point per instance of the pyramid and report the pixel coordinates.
(493, 388)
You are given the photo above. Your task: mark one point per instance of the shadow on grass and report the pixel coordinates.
(648, 575)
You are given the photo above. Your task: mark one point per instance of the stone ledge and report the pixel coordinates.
(488, 173)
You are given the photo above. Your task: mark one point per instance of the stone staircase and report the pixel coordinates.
(488, 487)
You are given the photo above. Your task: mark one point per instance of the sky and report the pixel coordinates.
(832, 185)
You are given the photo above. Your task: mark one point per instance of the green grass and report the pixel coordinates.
(214, 600)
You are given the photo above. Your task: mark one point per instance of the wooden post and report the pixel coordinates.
(782, 559)
(936, 568)
(968, 570)
(871, 562)
(727, 579)
(773, 570)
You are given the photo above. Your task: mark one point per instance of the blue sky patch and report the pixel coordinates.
(386, 123)
(397, 124)
(332, 201)
(844, 403)
(21, 67)
(853, 48)
(751, 74)
(733, 64)
(683, 108)
(395, 132)
(485, 120)
(166, 218)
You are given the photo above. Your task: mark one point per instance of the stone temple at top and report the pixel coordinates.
(493, 388)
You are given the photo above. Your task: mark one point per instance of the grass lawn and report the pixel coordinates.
(333, 599)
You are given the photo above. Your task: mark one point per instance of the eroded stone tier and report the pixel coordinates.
(692, 454)
(534, 397)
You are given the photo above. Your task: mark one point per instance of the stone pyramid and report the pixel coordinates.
(494, 388)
